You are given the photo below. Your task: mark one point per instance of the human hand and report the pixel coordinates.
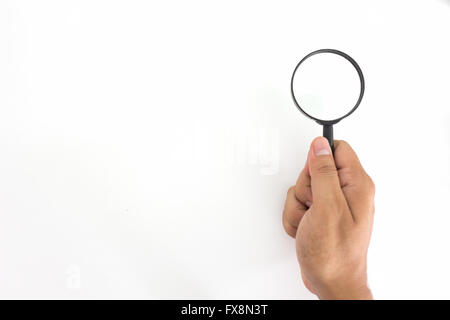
(330, 213)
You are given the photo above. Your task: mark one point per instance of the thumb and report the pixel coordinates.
(325, 185)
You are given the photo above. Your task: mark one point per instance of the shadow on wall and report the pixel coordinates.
(446, 1)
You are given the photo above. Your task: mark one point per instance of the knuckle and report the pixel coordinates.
(344, 143)
(293, 217)
(371, 186)
(291, 190)
(341, 144)
(290, 230)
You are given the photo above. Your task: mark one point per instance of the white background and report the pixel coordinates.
(146, 146)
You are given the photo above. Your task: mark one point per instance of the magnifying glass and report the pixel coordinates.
(327, 86)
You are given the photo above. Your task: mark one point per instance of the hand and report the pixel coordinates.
(330, 213)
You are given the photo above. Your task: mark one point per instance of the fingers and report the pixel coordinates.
(357, 186)
(333, 184)
(298, 200)
(325, 184)
(346, 161)
(303, 187)
(293, 212)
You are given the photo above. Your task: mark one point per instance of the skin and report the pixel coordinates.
(330, 213)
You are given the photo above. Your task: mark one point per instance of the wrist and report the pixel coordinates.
(346, 292)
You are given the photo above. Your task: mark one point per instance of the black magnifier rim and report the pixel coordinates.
(361, 80)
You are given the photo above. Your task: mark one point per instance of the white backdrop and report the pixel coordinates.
(146, 146)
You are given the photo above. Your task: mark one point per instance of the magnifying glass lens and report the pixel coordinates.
(326, 86)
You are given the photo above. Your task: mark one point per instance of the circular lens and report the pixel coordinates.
(327, 86)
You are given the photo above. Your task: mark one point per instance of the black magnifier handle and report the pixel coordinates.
(328, 133)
